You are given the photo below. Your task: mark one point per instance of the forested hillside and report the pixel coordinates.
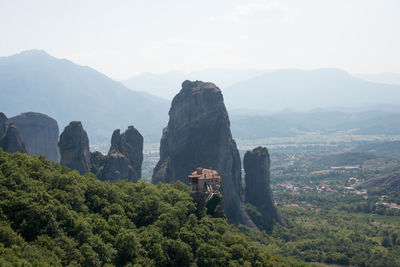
(51, 216)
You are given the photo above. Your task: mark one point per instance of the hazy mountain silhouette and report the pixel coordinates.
(165, 84)
(305, 90)
(35, 81)
(384, 77)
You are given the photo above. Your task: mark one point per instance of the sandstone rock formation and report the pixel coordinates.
(124, 160)
(3, 124)
(258, 191)
(198, 135)
(40, 134)
(12, 141)
(74, 147)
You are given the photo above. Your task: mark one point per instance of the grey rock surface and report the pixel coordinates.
(124, 160)
(198, 135)
(258, 191)
(3, 124)
(74, 148)
(12, 141)
(40, 134)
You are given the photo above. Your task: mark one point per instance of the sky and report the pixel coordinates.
(124, 38)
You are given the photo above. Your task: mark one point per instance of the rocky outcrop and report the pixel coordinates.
(391, 180)
(12, 141)
(3, 124)
(198, 135)
(124, 160)
(258, 191)
(40, 134)
(74, 147)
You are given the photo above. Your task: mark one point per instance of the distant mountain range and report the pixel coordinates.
(282, 89)
(35, 81)
(168, 84)
(306, 90)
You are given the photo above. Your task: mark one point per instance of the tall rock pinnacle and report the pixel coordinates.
(74, 147)
(198, 135)
(258, 191)
(3, 124)
(124, 160)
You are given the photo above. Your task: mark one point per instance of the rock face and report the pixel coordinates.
(198, 135)
(258, 191)
(40, 134)
(124, 160)
(3, 124)
(74, 147)
(12, 141)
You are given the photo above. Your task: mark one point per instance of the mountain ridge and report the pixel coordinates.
(35, 81)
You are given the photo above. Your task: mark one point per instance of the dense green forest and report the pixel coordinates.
(52, 216)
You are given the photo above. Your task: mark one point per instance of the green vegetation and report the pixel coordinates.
(329, 219)
(51, 216)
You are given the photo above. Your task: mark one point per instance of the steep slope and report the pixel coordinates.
(40, 134)
(298, 89)
(198, 135)
(36, 81)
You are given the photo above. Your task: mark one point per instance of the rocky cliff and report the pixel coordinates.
(3, 124)
(40, 134)
(198, 135)
(258, 191)
(74, 147)
(124, 160)
(12, 141)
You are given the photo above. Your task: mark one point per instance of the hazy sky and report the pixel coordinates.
(124, 38)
